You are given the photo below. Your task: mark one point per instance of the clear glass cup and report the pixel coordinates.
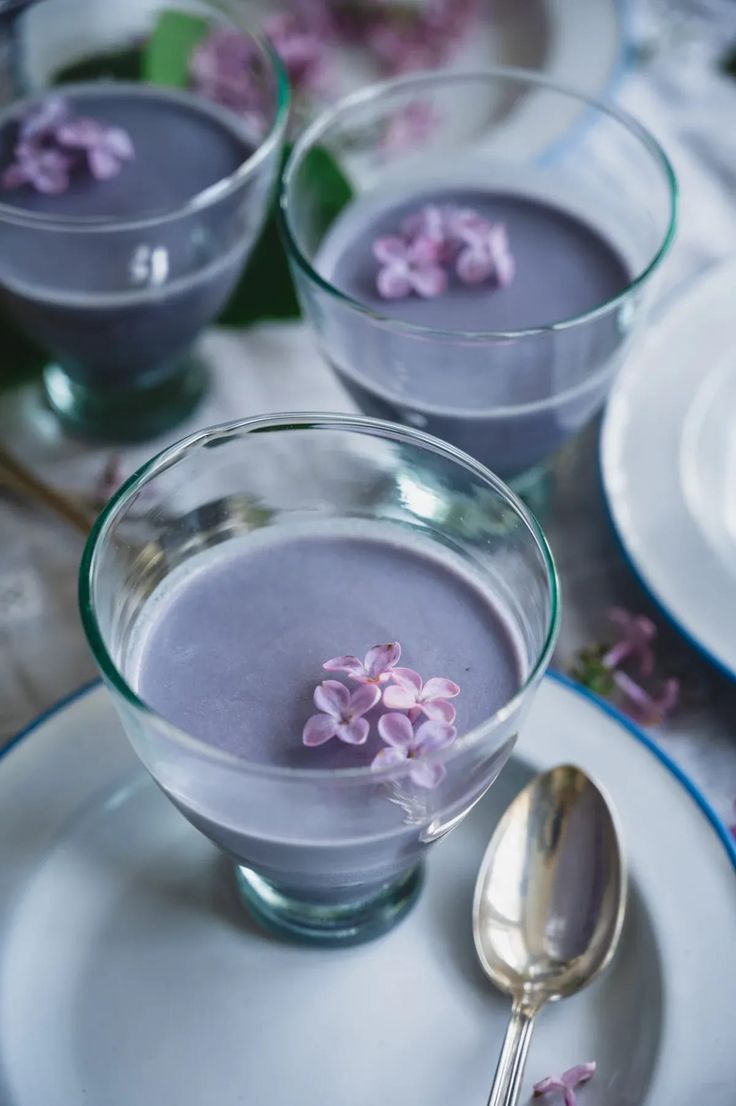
(510, 398)
(116, 289)
(353, 875)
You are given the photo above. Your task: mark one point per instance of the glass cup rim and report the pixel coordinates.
(312, 133)
(206, 197)
(301, 420)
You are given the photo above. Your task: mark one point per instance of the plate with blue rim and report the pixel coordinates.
(668, 461)
(129, 972)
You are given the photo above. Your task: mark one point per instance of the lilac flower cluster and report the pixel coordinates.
(52, 143)
(342, 712)
(439, 239)
(222, 67)
(628, 668)
(568, 1082)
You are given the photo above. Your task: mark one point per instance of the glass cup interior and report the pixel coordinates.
(115, 278)
(509, 395)
(319, 846)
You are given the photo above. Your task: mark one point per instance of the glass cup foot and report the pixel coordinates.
(330, 924)
(127, 414)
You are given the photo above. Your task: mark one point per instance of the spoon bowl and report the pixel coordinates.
(549, 904)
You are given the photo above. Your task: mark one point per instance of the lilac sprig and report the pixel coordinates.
(626, 670)
(568, 1082)
(341, 712)
(52, 143)
(438, 240)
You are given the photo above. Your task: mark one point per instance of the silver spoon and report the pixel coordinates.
(549, 905)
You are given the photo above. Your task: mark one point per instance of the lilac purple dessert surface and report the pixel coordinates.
(231, 647)
(509, 401)
(113, 303)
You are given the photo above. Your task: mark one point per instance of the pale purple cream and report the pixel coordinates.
(508, 401)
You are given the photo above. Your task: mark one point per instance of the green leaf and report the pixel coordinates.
(20, 359)
(266, 289)
(124, 65)
(166, 52)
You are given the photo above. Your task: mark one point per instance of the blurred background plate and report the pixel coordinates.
(668, 460)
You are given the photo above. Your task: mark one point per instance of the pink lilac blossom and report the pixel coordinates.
(409, 745)
(300, 40)
(52, 143)
(408, 267)
(627, 667)
(342, 713)
(408, 127)
(409, 693)
(436, 239)
(568, 1082)
(222, 68)
(375, 668)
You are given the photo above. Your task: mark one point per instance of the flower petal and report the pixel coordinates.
(549, 1083)
(348, 664)
(429, 282)
(119, 143)
(389, 758)
(389, 249)
(83, 134)
(332, 697)
(396, 730)
(473, 266)
(398, 698)
(439, 710)
(382, 657)
(431, 736)
(407, 678)
(393, 282)
(440, 688)
(318, 729)
(103, 165)
(581, 1073)
(426, 774)
(363, 698)
(354, 732)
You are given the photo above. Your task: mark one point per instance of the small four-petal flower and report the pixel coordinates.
(342, 713)
(375, 668)
(407, 744)
(409, 267)
(430, 698)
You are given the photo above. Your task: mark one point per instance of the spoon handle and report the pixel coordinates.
(511, 1062)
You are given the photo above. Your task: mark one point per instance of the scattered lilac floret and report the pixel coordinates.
(568, 1082)
(410, 745)
(300, 41)
(342, 713)
(52, 143)
(375, 668)
(409, 693)
(408, 127)
(222, 68)
(637, 633)
(105, 148)
(649, 708)
(409, 267)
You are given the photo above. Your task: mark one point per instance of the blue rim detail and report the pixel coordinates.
(695, 794)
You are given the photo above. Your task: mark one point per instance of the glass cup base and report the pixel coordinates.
(126, 415)
(333, 924)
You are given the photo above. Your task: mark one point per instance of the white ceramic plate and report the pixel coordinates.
(130, 976)
(668, 460)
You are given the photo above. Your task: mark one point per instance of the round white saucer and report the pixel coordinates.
(130, 975)
(668, 461)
